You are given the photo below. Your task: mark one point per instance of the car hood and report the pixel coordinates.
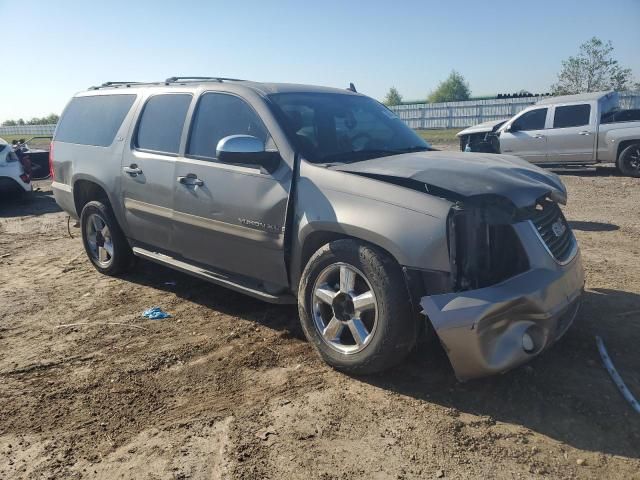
(466, 175)
(485, 127)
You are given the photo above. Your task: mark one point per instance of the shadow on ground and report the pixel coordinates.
(283, 318)
(594, 171)
(593, 226)
(565, 394)
(37, 202)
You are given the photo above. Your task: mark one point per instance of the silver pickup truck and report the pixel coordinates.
(580, 129)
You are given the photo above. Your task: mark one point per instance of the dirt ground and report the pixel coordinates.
(228, 387)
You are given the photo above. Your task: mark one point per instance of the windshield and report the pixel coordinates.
(334, 127)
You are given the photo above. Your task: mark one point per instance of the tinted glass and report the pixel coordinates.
(93, 120)
(533, 120)
(161, 123)
(571, 116)
(217, 116)
(333, 127)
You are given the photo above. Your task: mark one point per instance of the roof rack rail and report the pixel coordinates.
(207, 79)
(116, 84)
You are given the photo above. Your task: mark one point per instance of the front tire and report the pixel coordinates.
(629, 161)
(103, 240)
(355, 308)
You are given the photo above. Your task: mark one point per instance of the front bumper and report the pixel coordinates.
(482, 330)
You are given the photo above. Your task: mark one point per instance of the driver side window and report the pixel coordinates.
(219, 115)
(532, 120)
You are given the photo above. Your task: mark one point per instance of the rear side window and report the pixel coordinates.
(161, 123)
(532, 120)
(571, 116)
(93, 120)
(219, 115)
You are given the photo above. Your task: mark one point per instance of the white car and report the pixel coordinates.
(13, 178)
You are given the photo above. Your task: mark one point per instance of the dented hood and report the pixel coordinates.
(467, 174)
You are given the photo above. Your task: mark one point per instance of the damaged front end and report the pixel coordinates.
(515, 281)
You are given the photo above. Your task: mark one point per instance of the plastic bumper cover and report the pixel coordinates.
(494, 329)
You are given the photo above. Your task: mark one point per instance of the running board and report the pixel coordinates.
(190, 269)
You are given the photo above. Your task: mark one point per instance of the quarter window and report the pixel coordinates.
(93, 120)
(219, 115)
(571, 116)
(161, 123)
(532, 120)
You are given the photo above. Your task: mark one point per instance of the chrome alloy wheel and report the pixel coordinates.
(345, 310)
(99, 239)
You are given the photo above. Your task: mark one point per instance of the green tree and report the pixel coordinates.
(393, 97)
(592, 70)
(453, 89)
(52, 118)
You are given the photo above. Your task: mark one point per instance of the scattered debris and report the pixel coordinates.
(5, 255)
(440, 473)
(617, 379)
(155, 313)
(581, 461)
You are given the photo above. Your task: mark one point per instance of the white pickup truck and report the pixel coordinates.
(580, 129)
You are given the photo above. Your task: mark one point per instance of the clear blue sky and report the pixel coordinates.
(67, 46)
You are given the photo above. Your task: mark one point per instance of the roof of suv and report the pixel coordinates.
(265, 88)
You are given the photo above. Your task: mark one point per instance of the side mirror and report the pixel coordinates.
(246, 150)
(512, 128)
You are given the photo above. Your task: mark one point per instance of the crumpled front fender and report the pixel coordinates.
(482, 330)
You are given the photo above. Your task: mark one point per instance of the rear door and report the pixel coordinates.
(525, 136)
(148, 168)
(572, 136)
(230, 217)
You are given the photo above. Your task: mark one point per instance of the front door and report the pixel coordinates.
(572, 137)
(229, 217)
(148, 169)
(525, 136)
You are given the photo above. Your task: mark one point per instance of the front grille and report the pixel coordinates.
(553, 229)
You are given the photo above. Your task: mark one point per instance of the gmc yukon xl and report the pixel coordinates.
(572, 130)
(323, 197)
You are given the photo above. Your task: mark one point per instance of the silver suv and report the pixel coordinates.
(321, 196)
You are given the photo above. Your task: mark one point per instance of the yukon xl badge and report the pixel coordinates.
(558, 228)
(260, 225)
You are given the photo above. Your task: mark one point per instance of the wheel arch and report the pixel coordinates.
(315, 238)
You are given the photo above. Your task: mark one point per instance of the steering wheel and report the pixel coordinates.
(358, 137)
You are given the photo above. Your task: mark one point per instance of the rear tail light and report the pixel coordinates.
(51, 160)
(25, 178)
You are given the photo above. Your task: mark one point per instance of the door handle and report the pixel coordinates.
(584, 132)
(538, 136)
(190, 179)
(133, 170)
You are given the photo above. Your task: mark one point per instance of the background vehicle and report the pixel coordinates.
(323, 197)
(13, 176)
(38, 157)
(573, 130)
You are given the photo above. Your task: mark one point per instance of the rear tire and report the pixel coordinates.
(103, 240)
(629, 161)
(390, 330)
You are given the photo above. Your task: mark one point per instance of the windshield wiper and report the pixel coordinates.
(358, 155)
